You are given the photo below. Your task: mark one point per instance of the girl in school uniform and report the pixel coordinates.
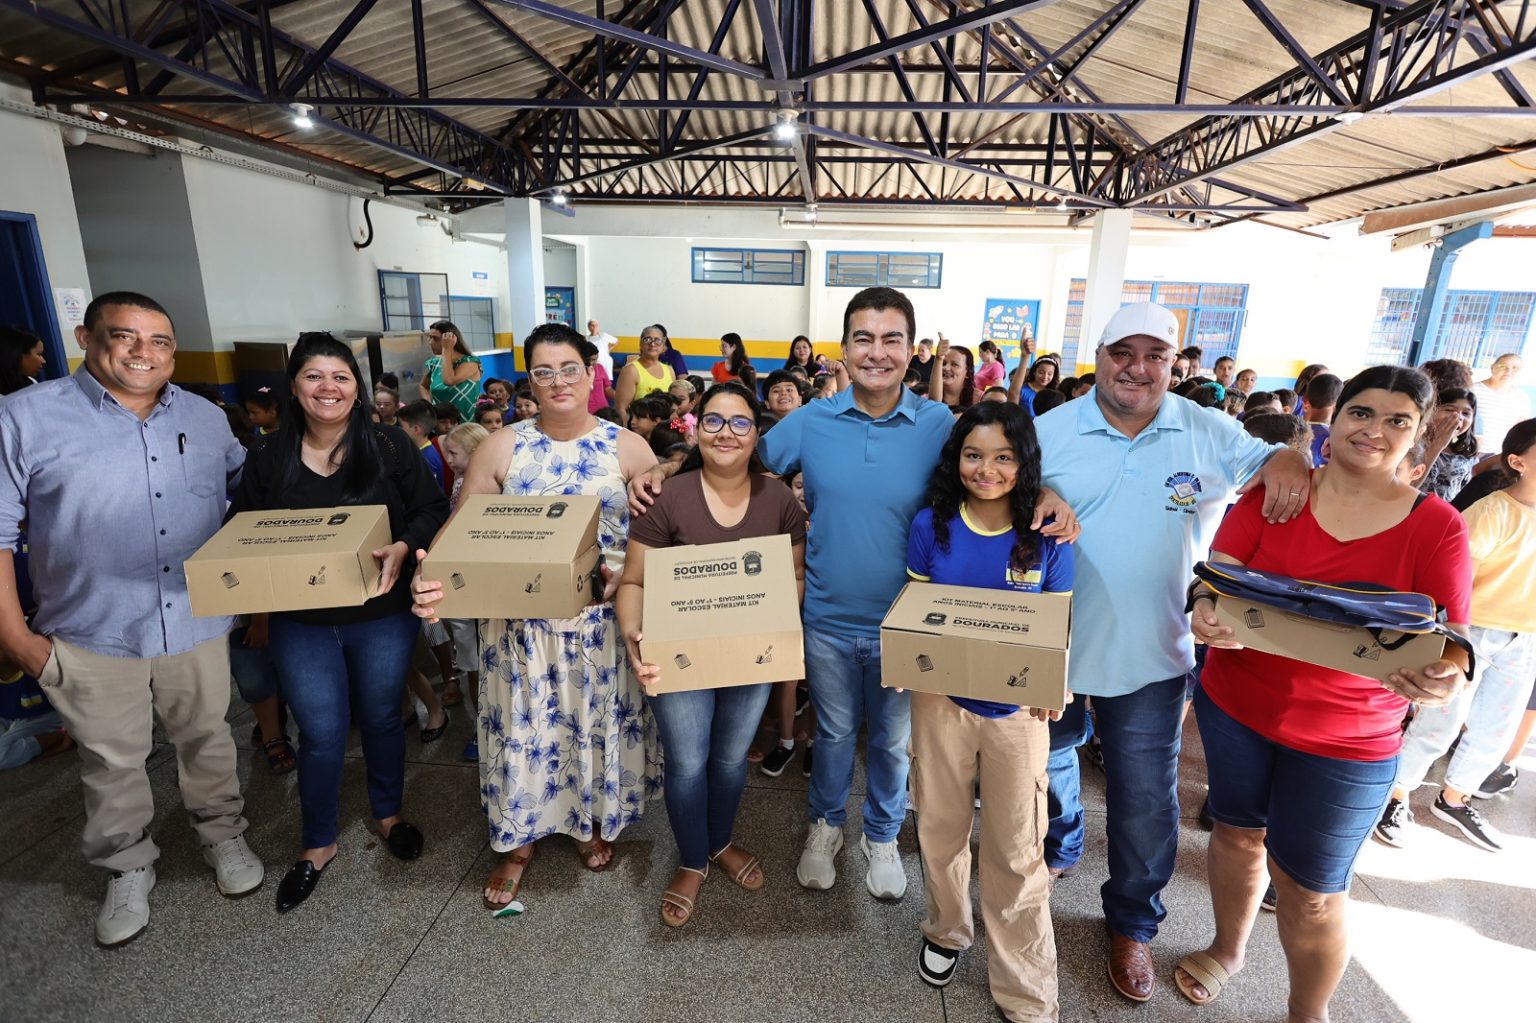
(976, 532)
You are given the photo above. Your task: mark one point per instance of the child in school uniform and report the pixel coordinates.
(976, 532)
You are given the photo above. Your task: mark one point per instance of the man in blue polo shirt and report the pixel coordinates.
(866, 454)
(1150, 477)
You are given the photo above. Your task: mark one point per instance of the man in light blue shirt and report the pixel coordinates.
(1150, 477)
(120, 477)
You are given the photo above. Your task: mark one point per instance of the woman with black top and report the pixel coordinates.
(335, 662)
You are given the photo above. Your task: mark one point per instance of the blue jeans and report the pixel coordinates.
(704, 736)
(327, 673)
(255, 670)
(1140, 736)
(843, 673)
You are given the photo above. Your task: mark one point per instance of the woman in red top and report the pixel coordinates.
(1302, 758)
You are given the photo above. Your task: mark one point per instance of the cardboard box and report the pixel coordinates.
(724, 614)
(984, 644)
(516, 557)
(289, 561)
(1340, 647)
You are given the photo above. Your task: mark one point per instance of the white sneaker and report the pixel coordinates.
(886, 878)
(125, 913)
(816, 869)
(235, 867)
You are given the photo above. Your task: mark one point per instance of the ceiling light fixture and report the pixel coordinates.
(559, 199)
(1348, 117)
(785, 130)
(1063, 205)
(301, 118)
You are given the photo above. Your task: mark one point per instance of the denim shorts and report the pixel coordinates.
(1318, 810)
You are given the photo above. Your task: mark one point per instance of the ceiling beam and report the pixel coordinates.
(1430, 30)
(643, 40)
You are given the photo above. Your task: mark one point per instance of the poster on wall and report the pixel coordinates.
(560, 305)
(1008, 323)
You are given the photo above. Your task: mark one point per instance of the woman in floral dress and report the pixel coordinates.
(567, 746)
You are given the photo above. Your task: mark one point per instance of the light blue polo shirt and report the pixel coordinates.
(1149, 508)
(864, 480)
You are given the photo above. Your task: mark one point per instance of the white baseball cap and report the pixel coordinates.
(1142, 319)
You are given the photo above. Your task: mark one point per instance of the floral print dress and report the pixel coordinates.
(567, 744)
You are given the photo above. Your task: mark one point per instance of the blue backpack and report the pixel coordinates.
(1368, 606)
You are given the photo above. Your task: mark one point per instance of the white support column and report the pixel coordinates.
(1106, 277)
(586, 308)
(525, 265)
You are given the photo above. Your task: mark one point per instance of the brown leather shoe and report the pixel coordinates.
(1130, 968)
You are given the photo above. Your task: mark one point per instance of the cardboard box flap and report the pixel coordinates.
(540, 530)
(975, 613)
(291, 533)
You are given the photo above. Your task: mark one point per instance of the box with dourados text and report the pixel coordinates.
(723, 614)
(984, 644)
(1367, 652)
(517, 557)
(289, 561)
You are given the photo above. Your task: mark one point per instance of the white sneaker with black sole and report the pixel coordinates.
(936, 964)
(1394, 823)
(125, 912)
(886, 877)
(1469, 822)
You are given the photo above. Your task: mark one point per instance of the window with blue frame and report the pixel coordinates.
(1475, 326)
(885, 269)
(1212, 315)
(748, 266)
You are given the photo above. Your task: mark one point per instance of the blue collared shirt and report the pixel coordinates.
(1149, 508)
(113, 506)
(864, 480)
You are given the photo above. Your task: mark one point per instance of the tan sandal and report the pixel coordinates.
(502, 884)
(679, 901)
(740, 876)
(1206, 972)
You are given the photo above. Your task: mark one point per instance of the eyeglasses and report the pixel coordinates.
(652, 340)
(570, 373)
(713, 422)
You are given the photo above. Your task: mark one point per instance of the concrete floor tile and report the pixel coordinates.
(591, 946)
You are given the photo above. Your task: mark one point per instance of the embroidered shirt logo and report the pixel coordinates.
(1183, 488)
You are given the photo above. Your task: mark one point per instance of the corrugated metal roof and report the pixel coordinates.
(468, 56)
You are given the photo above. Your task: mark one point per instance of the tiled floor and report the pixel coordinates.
(1442, 931)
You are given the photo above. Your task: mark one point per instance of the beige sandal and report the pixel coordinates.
(1206, 972)
(677, 900)
(753, 863)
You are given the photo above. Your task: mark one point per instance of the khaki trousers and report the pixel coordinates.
(948, 743)
(107, 705)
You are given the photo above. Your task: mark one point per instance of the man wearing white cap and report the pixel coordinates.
(1150, 477)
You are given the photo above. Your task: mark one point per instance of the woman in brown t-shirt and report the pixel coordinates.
(720, 494)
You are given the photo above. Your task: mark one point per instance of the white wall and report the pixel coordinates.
(559, 265)
(1309, 299)
(34, 178)
(137, 228)
(277, 257)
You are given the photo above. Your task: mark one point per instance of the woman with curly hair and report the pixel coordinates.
(976, 531)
